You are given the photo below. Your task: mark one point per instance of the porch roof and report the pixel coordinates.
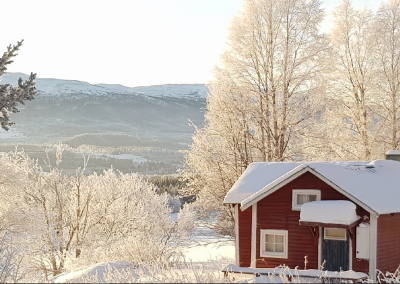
(329, 213)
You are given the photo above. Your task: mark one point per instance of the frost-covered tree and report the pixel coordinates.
(262, 98)
(13, 255)
(65, 221)
(387, 53)
(350, 101)
(11, 96)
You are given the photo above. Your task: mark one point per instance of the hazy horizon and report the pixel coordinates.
(131, 43)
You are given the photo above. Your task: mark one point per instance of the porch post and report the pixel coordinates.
(237, 234)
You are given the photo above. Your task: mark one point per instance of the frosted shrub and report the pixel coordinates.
(10, 262)
(66, 221)
(186, 218)
(387, 277)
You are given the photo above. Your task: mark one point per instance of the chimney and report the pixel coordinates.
(393, 155)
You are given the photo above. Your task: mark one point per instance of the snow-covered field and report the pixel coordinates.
(135, 159)
(206, 246)
(205, 254)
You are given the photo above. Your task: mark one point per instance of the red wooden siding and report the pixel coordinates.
(275, 212)
(245, 237)
(388, 249)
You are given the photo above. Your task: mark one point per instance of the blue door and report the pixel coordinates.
(335, 249)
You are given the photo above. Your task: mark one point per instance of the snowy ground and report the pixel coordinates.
(205, 252)
(209, 248)
(134, 158)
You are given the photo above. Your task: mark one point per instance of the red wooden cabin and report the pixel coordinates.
(344, 213)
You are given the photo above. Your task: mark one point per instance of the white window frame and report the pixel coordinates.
(297, 207)
(264, 253)
(336, 238)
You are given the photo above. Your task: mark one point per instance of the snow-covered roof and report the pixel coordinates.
(393, 152)
(375, 186)
(340, 212)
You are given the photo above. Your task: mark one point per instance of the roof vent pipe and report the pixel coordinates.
(393, 155)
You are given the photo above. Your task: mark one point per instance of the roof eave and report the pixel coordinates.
(296, 172)
(273, 186)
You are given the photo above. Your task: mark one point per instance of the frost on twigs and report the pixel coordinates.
(70, 221)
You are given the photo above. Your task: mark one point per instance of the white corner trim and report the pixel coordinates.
(253, 263)
(373, 244)
(237, 235)
(350, 252)
(320, 247)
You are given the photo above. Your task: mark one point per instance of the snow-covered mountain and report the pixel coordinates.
(151, 123)
(58, 87)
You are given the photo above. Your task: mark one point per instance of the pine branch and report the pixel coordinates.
(10, 97)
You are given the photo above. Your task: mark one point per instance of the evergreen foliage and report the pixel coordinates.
(10, 97)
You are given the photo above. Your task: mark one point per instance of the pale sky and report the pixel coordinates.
(128, 42)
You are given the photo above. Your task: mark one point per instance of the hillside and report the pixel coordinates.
(152, 122)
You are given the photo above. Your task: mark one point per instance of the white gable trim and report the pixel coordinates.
(292, 175)
(273, 186)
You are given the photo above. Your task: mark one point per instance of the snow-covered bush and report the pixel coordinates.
(186, 218)
(11, 259)
(68, 221)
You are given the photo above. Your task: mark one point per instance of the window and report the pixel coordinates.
(274, 243)
(301, 196)
(335, 234)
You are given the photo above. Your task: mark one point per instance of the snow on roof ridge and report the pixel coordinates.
(245, 203)
(372, 185)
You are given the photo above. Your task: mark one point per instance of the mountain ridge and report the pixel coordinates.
(61, 87)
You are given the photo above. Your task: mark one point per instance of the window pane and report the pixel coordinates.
(279, 248)
(301, 199)
(335, 233)
(279, 239)
(269, 247)
(269, 238)
(312, 197)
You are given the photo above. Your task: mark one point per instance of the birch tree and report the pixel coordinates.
(350, 112)
(262, 98)
(387, 43)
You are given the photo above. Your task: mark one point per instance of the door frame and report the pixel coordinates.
(321, 235)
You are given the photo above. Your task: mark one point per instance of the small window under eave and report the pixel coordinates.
(329, 213)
